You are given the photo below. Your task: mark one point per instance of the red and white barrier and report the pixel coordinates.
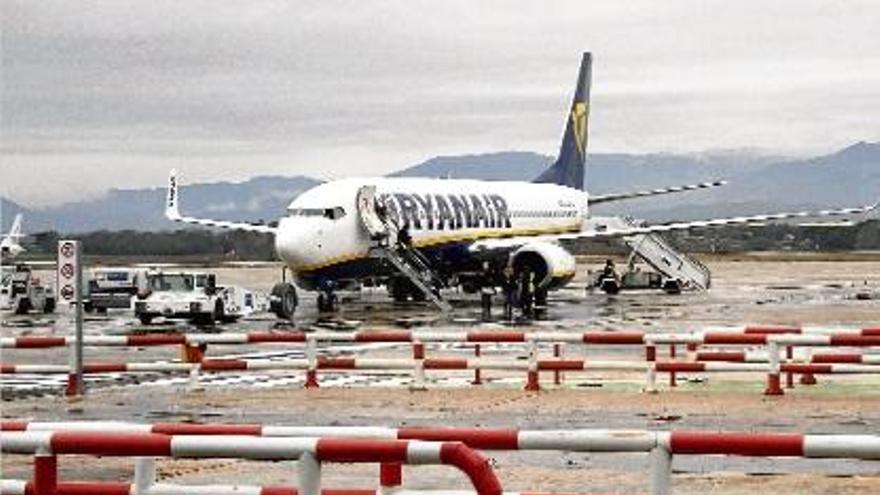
(310, 452)
(331, 363)
(532, 367)
(747, 335)
(376, 445)
(576, 440)
(362, 336)
(773, 338)
(839, 339)
(758, 356)
(19, 487)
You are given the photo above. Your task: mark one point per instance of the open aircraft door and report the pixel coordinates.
(371, 216)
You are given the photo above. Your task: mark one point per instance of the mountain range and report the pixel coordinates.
(757, 183)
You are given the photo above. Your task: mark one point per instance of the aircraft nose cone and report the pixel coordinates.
(288, 242)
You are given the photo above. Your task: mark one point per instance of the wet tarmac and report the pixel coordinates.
(817, 293)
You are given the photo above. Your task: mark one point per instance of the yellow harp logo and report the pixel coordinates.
(579, 113)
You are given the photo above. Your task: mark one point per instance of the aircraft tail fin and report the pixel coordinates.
(569, 167)
(15, 229)
(172, 210)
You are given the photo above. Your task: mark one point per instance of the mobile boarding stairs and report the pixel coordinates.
(407, 260)
(674, 266)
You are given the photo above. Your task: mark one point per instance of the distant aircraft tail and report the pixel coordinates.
(15, 229)
(569, 167)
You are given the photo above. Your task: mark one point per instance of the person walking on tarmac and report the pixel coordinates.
(609, 271)
(509, 286)
(527, 294)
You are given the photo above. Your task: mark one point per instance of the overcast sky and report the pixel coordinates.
(101, 94)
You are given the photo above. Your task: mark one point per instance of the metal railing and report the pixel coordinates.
(193, 440)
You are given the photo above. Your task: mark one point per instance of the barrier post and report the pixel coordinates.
(808, 378)
(193, 382)
(190, 353)
(312, 357)
(691, 348)
(533, 383)
(478, 376)
(661, 470)
(650, 372)
(71, 390)
(309, 474)
(557, 353)
(773, 383)
(672, 375)
(45, 474)
(390, 474)
(70, 290)
(418, 366)
(144, 474)
(789, 376)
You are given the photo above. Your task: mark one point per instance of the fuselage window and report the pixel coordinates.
(307, 212)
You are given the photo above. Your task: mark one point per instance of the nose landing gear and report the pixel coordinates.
(327, 300)
(283, 301)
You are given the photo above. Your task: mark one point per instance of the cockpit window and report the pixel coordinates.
(332, 213)
(307, 212)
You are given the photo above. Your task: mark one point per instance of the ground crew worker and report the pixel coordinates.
(486, 291)
(509, 287)
(609, 271)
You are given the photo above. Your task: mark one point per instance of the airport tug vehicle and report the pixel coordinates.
(22, 292)
(194, 296)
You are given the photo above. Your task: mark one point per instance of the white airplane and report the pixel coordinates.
(9, 245)
(417, 234)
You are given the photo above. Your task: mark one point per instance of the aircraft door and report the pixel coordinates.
(371, 214)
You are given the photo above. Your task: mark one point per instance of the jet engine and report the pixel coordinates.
(551, 264)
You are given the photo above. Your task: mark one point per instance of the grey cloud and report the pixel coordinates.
(231, 89)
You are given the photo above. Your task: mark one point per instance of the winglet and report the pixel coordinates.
(172, 209)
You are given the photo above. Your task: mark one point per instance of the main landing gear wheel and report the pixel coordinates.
(402, 290)
(219, 312)
(284, 301)
(398, 289)
(23, 307)
(327, 302)
(672, 287)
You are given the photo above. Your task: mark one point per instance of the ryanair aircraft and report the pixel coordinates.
(417, 235)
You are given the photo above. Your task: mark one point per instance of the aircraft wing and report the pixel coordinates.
(172, 212)
(512, 242)
(607, 198)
